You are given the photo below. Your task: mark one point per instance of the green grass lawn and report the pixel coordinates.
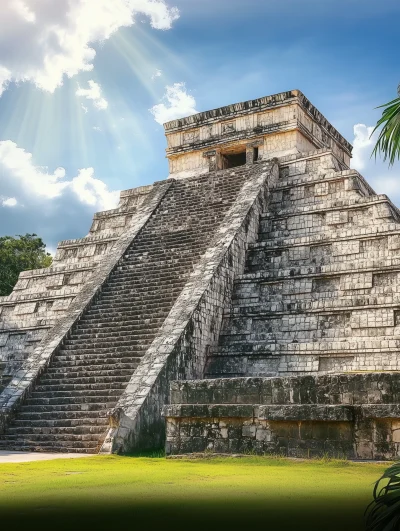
(131, 493)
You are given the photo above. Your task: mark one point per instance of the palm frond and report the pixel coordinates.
(383, 513)
(388, 141)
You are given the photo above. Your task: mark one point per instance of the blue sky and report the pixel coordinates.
(76, 127)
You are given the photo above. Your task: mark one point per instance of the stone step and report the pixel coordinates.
(152, 311)
(357, 266)
(256, 263)
(26, 445)
(128, 350)
(172, 276)
(36, 429)
(309, 306)
(256, 295)
(302, 232)
(56, 422)
(80, 387)
(99, 335)
(33, 415)
(84, 376)
(45, 437)
(285, 204)
(75, 395)
(103, 344)
(81, 360)
(117, 341)
(163, 301)
(136, 292)
(75, 402)
(328, 206)
(327, 347)
(97, 324)
(77, 366)
(289, 337)
(313, 178)
(328, 236)
(34, 407)
(109, 329)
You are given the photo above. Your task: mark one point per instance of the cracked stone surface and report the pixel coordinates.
(263, 260)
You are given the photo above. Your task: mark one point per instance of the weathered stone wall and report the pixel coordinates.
(346, 415)
(278, 125)
(192, 327)
(42, 297)
(320, 292)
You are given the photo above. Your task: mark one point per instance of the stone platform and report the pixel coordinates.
(353, 416)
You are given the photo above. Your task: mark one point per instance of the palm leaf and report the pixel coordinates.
(388, 142)
(383, 513)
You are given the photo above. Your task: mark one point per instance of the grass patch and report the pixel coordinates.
(104, 491)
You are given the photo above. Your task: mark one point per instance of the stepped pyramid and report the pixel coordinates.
(248, 302)
(320, 290)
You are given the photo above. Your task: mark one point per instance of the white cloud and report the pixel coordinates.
(5, 75)
(43, 40)
(384, 180)
(85, 109)
(362, 145)
(97, 128)
(22, 9)
(93, 191)
(157, 73)
(9, 202)
(38, 182)
(93, 93)
(50, 204)
(178, 104)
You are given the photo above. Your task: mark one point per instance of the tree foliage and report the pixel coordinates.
(388, 142)
(20, 254)
(383, 514)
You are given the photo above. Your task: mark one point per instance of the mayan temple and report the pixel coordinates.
(250, 302)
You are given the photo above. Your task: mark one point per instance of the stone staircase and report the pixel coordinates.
(42, 297)
(320, 292)
(67, 410)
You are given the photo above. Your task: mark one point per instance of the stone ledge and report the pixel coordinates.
(366, 389)
(328, 206)
(87, 240)
(333, 413)
(305, 241)
(385, 264)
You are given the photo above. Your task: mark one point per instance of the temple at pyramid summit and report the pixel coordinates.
(249, 303)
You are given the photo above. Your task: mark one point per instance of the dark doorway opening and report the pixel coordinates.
(255, 154)
(233, 160)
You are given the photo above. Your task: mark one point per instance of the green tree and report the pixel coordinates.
(388, 142)
(20, 254)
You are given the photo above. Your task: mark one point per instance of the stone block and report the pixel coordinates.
(374, 318)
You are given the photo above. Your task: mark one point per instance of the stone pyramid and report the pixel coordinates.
(250, 300)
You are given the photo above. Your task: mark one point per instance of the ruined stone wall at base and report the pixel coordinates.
(343, 416)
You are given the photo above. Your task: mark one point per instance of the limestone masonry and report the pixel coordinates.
(250, 302)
